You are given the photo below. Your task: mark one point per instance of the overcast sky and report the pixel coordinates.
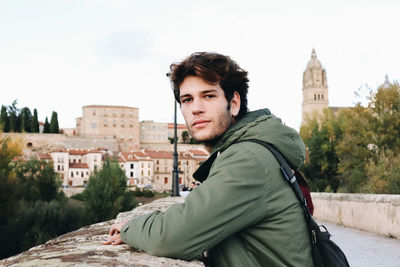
(65, 54)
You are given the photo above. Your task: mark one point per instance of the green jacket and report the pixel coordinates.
(244, 213)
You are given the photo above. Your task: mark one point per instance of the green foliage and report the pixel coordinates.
(357, 149)
(129, 202)
(46, 126)
(4, 120)
(32, 209)
(320, 139)
(105, 193)
(79, 196)
(138, 192)
(185, 137)
(148, 193)
(35, 222)
(26, 120)
(54, 123)
(35, 122)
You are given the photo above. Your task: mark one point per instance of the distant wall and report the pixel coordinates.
(379, 214)
(47, 142)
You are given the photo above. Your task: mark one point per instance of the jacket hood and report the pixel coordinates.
(263, 126)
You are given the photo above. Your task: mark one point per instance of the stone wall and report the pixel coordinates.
(33, 142)
(83, 248)
(379, 214)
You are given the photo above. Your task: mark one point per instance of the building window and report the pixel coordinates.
(142, 172)
(72, 174)
(82, 174)
(322, 96)
(122, 124)
(315, 97)
(165, 180)
(180, 180)
(148, 172)
(131, 165)
(115, 123)
(77, 173)
(131, 174)
(93, 125)
(105, 123)
(87, 173)
(94, 112)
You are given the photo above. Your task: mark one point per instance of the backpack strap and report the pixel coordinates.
(286, 170)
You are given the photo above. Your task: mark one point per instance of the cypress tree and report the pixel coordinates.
(26, 117)
(35, 122)
(54, 123)
(13, 122)
(4, 120)
(14, 116)
(46, 127)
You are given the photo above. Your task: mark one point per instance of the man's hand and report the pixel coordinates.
(115, 234)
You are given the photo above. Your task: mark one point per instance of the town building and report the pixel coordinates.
(153, 132)
(116, 122)
(138, 168)
(76, 166)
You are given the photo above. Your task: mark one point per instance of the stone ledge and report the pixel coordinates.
(83, 248)
(365, 198)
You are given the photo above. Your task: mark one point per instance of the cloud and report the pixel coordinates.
(131, 45)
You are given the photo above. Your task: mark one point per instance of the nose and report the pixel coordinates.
(197, 106)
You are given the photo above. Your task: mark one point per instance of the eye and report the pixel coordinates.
(186, 100)
(210, 96)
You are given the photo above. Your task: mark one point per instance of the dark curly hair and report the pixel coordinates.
(213, 68)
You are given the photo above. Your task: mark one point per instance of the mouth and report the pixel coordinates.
(200, 123)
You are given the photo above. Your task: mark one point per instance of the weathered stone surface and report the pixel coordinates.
(379, 214)
(83, 248)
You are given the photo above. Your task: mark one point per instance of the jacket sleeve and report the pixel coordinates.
(232, 198)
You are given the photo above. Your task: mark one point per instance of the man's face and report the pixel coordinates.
(205, 109)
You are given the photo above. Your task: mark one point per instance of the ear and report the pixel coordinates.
(235, 104)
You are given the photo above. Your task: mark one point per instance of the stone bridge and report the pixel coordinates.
(374, 213)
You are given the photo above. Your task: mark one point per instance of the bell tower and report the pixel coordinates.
(315, 88)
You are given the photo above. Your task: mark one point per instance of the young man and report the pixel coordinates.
(244, 213)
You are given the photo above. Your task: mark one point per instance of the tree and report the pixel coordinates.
(14, 117)
(35, 122)
(46, 126)
(54, 123)
(26, 118)
(38, 180)
(355, 147)
(185, 137)
(4, 120)
(106, 190)
(320, 136)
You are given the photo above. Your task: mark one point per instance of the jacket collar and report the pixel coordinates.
(229, 137)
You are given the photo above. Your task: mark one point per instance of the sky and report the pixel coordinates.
(65, 54)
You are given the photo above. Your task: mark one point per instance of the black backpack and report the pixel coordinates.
(325, 252)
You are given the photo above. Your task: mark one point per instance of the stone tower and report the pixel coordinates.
(315, 88)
